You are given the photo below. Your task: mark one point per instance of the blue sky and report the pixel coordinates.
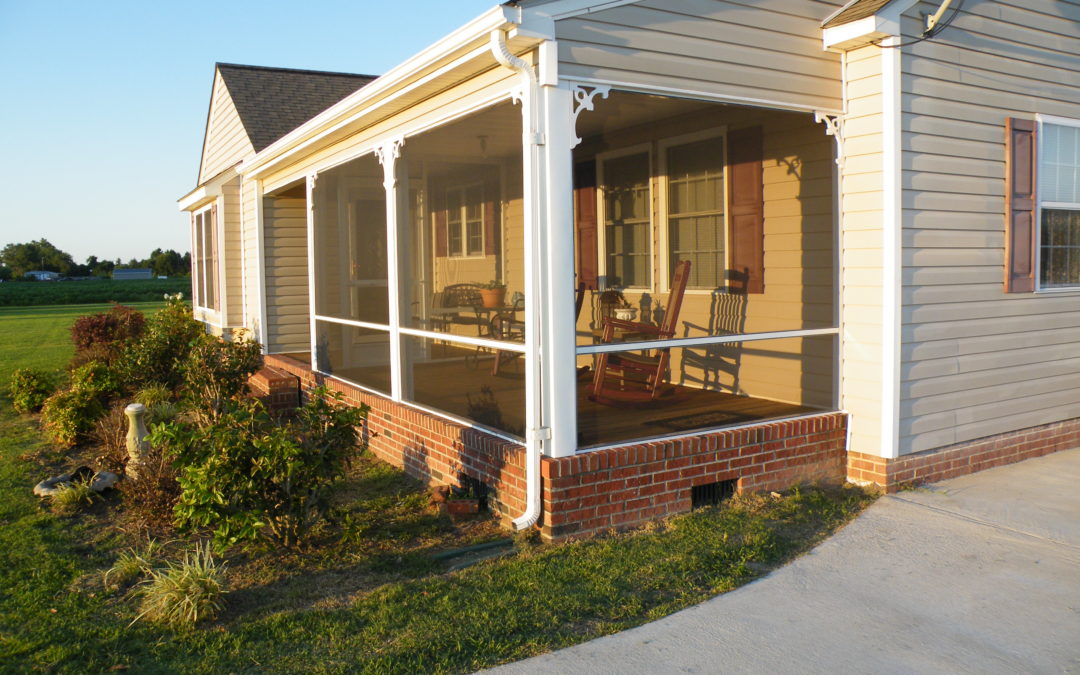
(103, 104)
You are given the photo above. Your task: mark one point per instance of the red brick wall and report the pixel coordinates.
(593, 491)
(963, 458)
(277, 389)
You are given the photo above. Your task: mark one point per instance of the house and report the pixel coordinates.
(743, 244)
(129, 273)
(42, 275)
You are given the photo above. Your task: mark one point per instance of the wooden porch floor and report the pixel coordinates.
(462, 384)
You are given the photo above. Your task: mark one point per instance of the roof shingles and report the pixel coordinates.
(272, 102)
(853, 11)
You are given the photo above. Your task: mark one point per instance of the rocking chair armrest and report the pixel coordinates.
(631, 325)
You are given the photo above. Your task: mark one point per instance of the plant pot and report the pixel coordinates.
(458, 507)
(493, 297)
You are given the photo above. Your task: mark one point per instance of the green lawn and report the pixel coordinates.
(308, 615)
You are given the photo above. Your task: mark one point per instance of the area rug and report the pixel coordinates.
(714, 418)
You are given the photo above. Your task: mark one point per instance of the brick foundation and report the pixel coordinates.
(594, 491)
(963, 458)
(277, 389)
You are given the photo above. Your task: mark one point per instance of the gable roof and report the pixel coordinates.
(271, 102)
(853, 11)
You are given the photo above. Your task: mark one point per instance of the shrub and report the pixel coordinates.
(110, 433)
(130, 565)
(72, 497)
(182, 594)
(157, 356)
(153, 395)
(149, 502)
(98, 379)
(29, 388)
(69, 415)
(248, 476)
(108, 331)
(217, 371)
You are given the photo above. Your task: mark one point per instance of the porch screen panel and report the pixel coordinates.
(350, 243)
(707, 386)
(357, 355)
(695, 203)
(459, 379)
(626, 220)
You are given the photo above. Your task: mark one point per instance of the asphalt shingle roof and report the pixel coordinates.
(272, 102)
(853, 11)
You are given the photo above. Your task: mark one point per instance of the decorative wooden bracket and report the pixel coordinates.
(584, 99)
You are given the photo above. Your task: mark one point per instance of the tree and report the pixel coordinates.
(167, 263)
(35, 255)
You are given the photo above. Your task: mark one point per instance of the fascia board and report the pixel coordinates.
(886, 23)
(566, 9)
(206, 192)
(448, 50)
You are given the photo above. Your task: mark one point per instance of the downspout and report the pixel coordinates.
(533, 138)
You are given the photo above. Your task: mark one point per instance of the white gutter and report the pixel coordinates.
(531, 186)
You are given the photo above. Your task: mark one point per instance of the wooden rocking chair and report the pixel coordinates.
(629, 377)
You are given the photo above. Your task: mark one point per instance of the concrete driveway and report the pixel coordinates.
(979, 574)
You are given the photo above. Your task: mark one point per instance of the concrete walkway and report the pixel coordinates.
(979, 574)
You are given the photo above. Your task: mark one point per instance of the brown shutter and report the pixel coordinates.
(746, 206)
(585, 222)
(438, 208)
(491, 216)
(1020, 229)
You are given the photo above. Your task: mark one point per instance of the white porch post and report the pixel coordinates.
(558, 339)
(388, 154)
(310, 184)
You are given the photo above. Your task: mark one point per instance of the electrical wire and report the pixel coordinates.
(942, 25)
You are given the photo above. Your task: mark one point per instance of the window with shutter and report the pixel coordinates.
(1059, 203)
(205, 257)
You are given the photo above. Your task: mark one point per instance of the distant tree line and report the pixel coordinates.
(18, 259)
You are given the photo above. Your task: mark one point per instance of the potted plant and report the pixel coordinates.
(493, 294)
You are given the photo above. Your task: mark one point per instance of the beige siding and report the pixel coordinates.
(862, 251)
(763, 50)
(250, 246)
(231, 246)
(977, 361)
(285, 228)
(226, 142)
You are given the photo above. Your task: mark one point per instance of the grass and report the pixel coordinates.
(367, 596)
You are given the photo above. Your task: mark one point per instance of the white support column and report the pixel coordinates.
(260, 266)
(388, 154)
(558, 340)
(311, 178)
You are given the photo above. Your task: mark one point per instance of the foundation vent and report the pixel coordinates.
(711, 494)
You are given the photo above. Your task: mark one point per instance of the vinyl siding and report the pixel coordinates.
(287, 317)
(233, 284)
(762, 50)
(977, 361)
(250, 245)
(226, 142)
(862, 251)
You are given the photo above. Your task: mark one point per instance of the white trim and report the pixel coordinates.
(260, 245)
(352, 322)
(466, 340)
(704, 430)
(601, 214)
(405, 132)
(885, 23)
(565, 9)
(892, 246)
(310, 187)
(610, 347)
(664, 235)
(429, 64)
(1042, 120)
(695, 94)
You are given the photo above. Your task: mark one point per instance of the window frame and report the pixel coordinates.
(199, 224)
(1042, 121)
(602, 158)
(464, 188)
(664, 144)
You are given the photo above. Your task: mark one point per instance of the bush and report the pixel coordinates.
(98, 379)
(157, 357)
(130, 565)
(149, 501)
(248, 476)
(217, 371)
(29, 389)
(183, 594)
(71, 497)
(69, 415)
(108, 332)
(153, 395)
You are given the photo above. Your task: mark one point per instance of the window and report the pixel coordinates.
(1059, 204)
(204, 278)
(465, 221)
(696, 224)
(627, 209)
